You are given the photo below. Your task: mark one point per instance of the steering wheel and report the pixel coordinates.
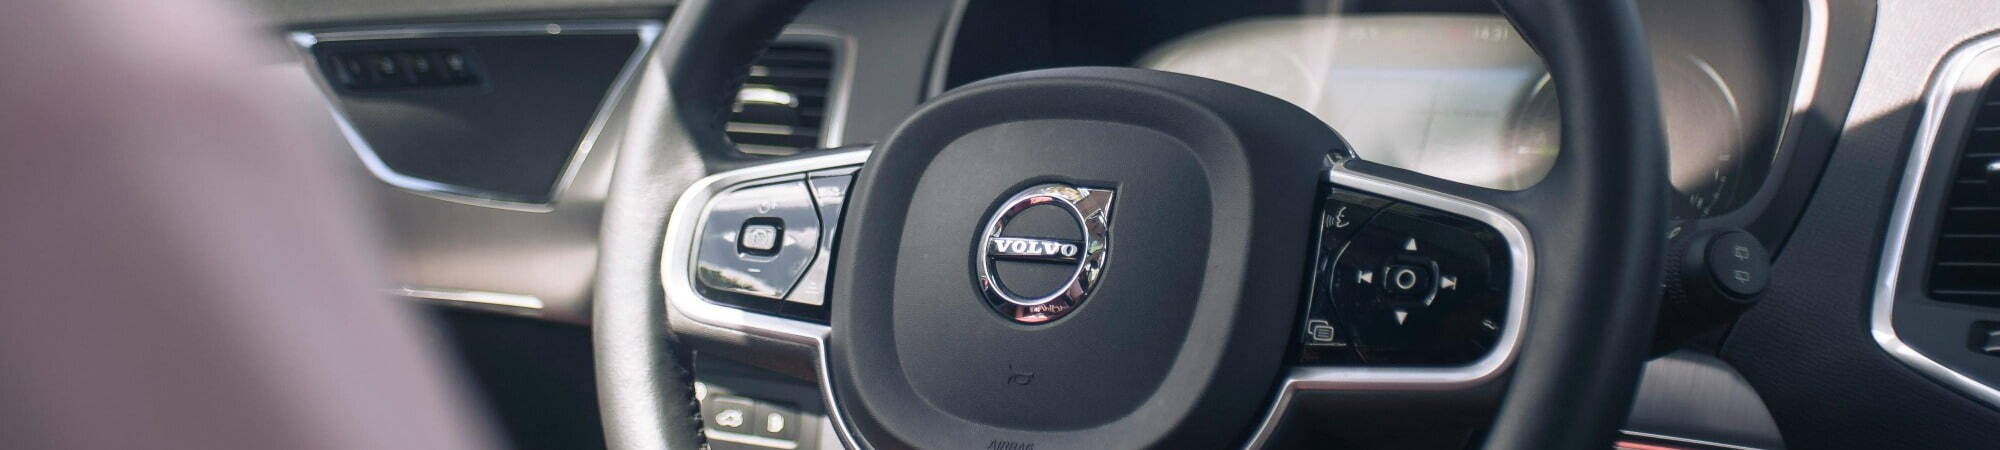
(1117, 258)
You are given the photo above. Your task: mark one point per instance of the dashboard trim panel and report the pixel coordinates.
(647, 31)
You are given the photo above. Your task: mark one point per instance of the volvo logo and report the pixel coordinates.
(1033, 248)
(1090, 211)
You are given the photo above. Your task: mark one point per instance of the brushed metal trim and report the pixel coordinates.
(1936, 105)
(648, 31)
(1335, 378)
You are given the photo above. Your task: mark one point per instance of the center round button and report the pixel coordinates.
(1408, 279)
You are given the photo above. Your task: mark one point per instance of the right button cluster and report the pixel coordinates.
(1401, 284)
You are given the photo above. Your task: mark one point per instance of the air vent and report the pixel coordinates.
(783, 105)
(1966, 268)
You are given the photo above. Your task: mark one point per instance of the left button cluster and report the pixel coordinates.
(731, 421)
(763, 245)
(758, 239)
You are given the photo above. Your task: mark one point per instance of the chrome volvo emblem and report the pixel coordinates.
(1091, 210)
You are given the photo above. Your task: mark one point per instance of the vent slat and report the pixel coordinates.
(1974, 197)
(777, 130)
(1974, 168)
(798, 88)
(1965, 260)
(791, 82)
(802, 73)
(1971, 222)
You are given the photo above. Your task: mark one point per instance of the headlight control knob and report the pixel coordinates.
(1712, 276)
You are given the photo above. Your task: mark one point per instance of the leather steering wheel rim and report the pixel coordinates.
(1569, 386)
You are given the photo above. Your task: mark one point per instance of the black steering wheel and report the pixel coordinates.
(1117, 258)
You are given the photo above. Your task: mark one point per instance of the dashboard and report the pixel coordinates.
(1448, 89)
(1757, 98)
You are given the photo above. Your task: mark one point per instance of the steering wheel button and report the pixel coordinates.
(1344, 213)
(1409, 279)
(830, 191)
(729, 414)
(759, 238)
(777, 421)
(756, 242)
(1739, 264)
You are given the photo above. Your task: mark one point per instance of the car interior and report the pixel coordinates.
(1001, 224)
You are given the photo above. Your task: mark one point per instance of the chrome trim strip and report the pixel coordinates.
(1936, 103)
(843, 429)
(1662, 437)
(1804, 90)
(647, 30)
(1812, 55)
(478, 299)
(745, 439)
(1324, 378)
(688, 312)
(947, 40)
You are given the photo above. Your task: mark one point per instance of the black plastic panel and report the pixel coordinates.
(504, 130)
(532, 376)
